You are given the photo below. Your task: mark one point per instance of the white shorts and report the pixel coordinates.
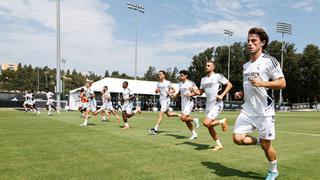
(91, 106)
(110, 107)
(32, 102)
(264, 124)
(213, 110)
(165, 105)
(107, 107)
(49, 102)
(127, 108)
(186, 109)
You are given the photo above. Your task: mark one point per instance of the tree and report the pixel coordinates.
(106, 74)
(172, 75)
(309, 69)
(151, 74)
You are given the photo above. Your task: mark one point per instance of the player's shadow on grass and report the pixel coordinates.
(177, 136)
(224, 171)
(91, 124)
(197, 145)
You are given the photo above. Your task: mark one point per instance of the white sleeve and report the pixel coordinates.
(130, 92)
(194, 85)
(223, 80)
(201, 84)
(274, 69)
(170, 85)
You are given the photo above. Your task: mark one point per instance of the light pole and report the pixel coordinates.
(38, 81)
(138, 8)
(58, 77)
(64, 73)
(283, 28)
(229, 33)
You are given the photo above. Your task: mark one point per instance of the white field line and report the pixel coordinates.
(298, 133)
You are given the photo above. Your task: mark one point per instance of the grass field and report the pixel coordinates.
(56, 147)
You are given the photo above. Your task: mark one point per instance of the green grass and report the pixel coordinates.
(56, 147)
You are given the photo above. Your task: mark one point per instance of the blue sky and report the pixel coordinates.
(100, 34)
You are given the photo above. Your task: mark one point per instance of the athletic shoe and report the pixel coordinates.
(194, 136)
(217, 148)
(196, 121)
(49, 113)
(224, 126)
(83, 124)
(126, 127)
(272, 175)
(152, 131)
(58, 111)
(38, 113)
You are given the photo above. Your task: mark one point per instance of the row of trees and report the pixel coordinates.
(301, 71)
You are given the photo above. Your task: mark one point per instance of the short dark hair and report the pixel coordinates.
(126, 82)
(163, 72)
(81, 90)
(184, 72)
(262, 35)
(210, 61)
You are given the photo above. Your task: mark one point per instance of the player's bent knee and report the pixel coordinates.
(238, 139)
(265, 144)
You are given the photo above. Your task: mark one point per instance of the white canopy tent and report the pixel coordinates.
(115, 86)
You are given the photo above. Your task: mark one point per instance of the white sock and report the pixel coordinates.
(126, 124)
(179, 115)
(221, 121)
(85, 121)
(273, 166)
(218, 142)
(156, 127)
(194, 132)
(258, 142)
(135, 111)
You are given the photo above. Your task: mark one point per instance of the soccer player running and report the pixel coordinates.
(83, 102)
(50, 104)
(127, 100)
(91, 105)
(165, 89)
(186, 87)
(211, 85)
(260, 74)
(33, 103)
(107, 105)
(27, 102)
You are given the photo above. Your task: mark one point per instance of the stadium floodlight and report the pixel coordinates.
(64, 73)
(138, 8)
(58, 75)
(283, 28)
(229, 33)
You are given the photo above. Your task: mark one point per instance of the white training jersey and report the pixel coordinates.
(126, 93)
(257, 102)
(164, 87)
(105, 97)
(88, 93)
(184, 90)
(49, 95)
(212, 85)
(28, 96)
